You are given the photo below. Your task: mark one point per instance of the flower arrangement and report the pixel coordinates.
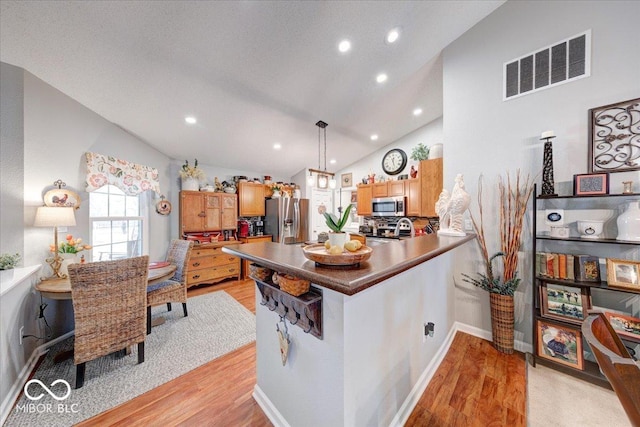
(514, 198)
(276, 187)
(70, 246)
(420, 152)
(191, 171)
(8, 261)
(337, 224)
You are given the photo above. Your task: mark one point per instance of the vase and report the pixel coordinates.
(190, 184)
(338, 239)
(629, 222)
(276, 194)
(67, 259)
(502, 322)
(435, 151)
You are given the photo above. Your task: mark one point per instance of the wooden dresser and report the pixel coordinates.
(251, 239)
(208, 264)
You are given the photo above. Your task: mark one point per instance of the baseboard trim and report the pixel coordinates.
(518, 345)
(267, 407)
(16, 388)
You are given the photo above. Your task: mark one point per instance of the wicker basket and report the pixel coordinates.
(259, 272)
(293, 285)
(502, 322)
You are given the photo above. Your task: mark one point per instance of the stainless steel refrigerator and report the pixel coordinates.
(287, 220)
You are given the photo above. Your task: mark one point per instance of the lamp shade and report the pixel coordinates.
(51, 216)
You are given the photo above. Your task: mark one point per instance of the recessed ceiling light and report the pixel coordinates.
(332, 161)
(190, 119)
(374, 137)
(344, 46)
(393, 35)
(381, 78)
(277, 146)
(417, 111)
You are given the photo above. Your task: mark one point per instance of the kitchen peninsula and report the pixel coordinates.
(372, 360)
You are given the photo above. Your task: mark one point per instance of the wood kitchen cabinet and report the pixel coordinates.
(412, 194)
(380, 190)
(430, 186)
(205, 211)
(251, 199)
(364, 196)
(208, 264)
(396, 188)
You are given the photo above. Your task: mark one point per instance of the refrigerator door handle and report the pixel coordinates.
(296, 220)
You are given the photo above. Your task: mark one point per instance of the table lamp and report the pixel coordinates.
(55, 217)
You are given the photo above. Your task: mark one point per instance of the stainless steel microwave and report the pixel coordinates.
(388, 206)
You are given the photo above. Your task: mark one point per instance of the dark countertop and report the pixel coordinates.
(386, 261)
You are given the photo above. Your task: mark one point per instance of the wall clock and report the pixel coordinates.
(394, 161)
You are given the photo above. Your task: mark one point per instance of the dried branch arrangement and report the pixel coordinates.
(514, 197)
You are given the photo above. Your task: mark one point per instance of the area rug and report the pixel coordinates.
(557, 399)
(217, 324)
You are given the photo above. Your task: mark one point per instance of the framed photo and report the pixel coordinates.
(346, 180)
(623, 274)
(562, 344)
(354, 197)
(627, 327)
(612, 132)
(566, 303)
(591, 184)
(62, 197)
(587, 268)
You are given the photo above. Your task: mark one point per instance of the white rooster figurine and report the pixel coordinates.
(451, 209)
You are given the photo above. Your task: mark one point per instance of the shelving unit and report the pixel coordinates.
(606, 247)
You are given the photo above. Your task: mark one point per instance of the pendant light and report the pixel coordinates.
(323, 175)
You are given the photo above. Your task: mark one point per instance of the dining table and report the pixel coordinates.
(60, 289)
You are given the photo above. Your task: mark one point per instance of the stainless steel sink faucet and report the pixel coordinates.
(396, 232)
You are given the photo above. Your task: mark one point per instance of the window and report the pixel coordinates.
(116, 224)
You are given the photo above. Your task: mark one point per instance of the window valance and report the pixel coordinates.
(131, 178)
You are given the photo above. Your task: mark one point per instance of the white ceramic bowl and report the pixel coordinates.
(590, 229)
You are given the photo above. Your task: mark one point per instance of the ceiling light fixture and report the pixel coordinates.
(344, 46)
(323, 175)
(381, 78)
(374, 137)
(190, 120)
(417, 111)
(393, 35)
(277, 146)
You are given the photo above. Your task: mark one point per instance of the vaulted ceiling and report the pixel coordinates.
(253, 73)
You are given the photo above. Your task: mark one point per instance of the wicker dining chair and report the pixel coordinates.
(109, 301)
(174, 289)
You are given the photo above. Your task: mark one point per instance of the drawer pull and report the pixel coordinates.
(197, 276)
(196, 264)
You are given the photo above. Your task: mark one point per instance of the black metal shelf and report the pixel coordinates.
(583, 240)
(598, 285)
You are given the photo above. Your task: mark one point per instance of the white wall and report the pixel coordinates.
(485, 135)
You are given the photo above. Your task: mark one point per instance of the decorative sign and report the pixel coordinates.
(61, 197)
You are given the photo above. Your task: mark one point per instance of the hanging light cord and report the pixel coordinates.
(325, 149)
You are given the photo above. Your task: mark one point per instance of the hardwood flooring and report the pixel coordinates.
(474, 385)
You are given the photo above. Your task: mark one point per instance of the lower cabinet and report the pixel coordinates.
(208, 264)
(251, 239)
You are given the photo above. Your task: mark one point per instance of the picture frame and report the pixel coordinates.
(354, 197)
(612, 130)
(566, 303)
(62, 197)
(560, 344)
(346, 180)
(623, 274)
(587, 268)
(628, 327)
(591, 184)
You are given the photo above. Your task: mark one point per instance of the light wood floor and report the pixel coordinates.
(474, 385)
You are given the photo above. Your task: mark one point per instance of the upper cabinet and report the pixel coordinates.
(204, 211)
(251, 199)
(430, 172)
(365, 194)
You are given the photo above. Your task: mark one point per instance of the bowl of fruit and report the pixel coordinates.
(353, 253)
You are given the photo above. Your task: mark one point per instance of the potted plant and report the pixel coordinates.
(276, 188)
(420, 152)
(337, 237)
(191, 176)
(69, 250)
(514, 197)
(9, 261)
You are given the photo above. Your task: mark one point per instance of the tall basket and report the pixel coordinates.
(502, 322)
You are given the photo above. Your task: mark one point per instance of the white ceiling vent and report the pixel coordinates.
(560, 63)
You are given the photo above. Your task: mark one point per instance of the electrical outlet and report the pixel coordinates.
(21, 333)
